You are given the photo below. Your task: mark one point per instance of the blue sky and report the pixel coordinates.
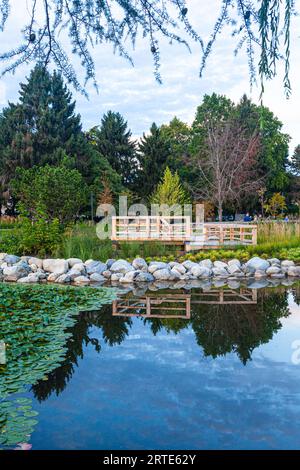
(135, 93)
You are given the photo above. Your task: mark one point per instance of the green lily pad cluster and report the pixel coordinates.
(34, 323)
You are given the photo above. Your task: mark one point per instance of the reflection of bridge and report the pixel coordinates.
(178, 305)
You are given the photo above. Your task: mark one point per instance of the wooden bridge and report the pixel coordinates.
(180, 230)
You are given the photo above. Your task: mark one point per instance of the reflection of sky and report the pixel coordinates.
(160, 392)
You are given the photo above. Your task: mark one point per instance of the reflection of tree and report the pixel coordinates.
(170, 325)
(114, 331)
(221, 329)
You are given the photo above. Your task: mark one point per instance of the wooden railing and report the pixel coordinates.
(180, 229)
(167, 228)
(166, 306)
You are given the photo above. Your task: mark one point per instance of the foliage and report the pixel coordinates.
(34, 325)
(295, 161)
(170, 191)
(61, 192)
(261, 28)
(276, 205)
(153, 154)
(114, 142)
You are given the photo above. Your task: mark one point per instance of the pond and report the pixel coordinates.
(213, 368)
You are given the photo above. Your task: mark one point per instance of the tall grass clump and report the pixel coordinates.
(278, 231)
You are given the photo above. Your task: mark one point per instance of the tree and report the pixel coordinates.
(276, 205)
(60, 192)
(169, 191)
(227, 164)
(42, 128)
(114, 142)
(257, 26)
(295, 161)
(153, 153)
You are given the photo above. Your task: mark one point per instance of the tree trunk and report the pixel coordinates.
(220, 212)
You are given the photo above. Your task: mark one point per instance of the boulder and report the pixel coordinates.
(82, 280)
(189, 264)
(11, 259)
(287, 263)
(140, 264)
(73, 273)
(234, 268)
(95, 267)
(96, 277)
(293, 271)
(234, 262)
(273, 269)
(106, 274)
(109, 263)
(258, 264)
(129, 277)
(220, 265)
(220, 272)
(73, 261)
(52, 277)
(41, 274)
(121, 266)
(207, 263)
(177, 267)
(79, 267)
(58, 266)
(36, 262)
(14, 273)
(144, 277)
(163, 274)
(116, 277)
(274, 261)
(63, 279)
(156, 265)
(259, 274)
(198, 270)
(32, 278)
(2, 256)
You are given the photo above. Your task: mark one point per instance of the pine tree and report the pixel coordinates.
(170, 191)
(295, 161)
(153, 153)
(114, 142)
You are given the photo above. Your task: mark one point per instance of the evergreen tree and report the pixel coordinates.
(170, 190)
(114, 142)
(295, 161)
(153, 153)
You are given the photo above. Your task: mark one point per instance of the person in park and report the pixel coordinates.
(247, 217)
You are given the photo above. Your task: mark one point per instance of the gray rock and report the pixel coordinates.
(79, 267)
(73, 273)
(96, 277)
(287, 263)
(32, 278)
(116, 277)
(106, 274)
(259, 274)
(234, 262)
(177, 267)
(207, 263)
(2, 256)
(95, 267)
(293, 271)
(140, 265)
(258, 264)
(52, 277)
(110, 262)
(273, 270)
(144, 277)
(274, 261)
(234, 268)
(199, 271)
(156, 265)
(220, 272)
(11, 259)
(36, 262)
(63, 279)
(82, 280)
(41, 274)
(189, 264)
(14, 273)
(163, 274)
(220, 265)
(58, 266)
(129, 277)
(121, 266)
(73, 261)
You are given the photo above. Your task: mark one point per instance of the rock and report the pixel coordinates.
(106, 274)
(32, 278)
(116, 277)
(234, 262)
(177, 267)
(79, 267)
(144, 277)
(220, 272)
(110, 262)
(220, 265)
(72, 261)
(96, 277)
(63, 279)
(258, 264)
(2, 256)
(189, 264)
(293, 271)
(14, 273)
(82, 280)
(73, 273)
(52, 277)
(121, 266)
(273, 270)
(11, 259)
(287, 263)
(234, 269)
(163, 274)
(36, 262)
(41, 274)
(58, 266)
(274, 261)
(156, 265)
(259, 274)
(198, 271)
(207, 263)
(95, 267)
(129, 277)
(140, 264)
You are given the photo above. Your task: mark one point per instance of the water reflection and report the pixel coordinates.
(223, 321)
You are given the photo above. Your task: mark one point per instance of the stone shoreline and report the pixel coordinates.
(29, 270)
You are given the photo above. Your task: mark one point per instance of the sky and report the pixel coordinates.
(134, 92)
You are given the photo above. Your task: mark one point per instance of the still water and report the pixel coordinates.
(198, 369)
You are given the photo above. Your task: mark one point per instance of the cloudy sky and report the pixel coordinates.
(135, 93)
